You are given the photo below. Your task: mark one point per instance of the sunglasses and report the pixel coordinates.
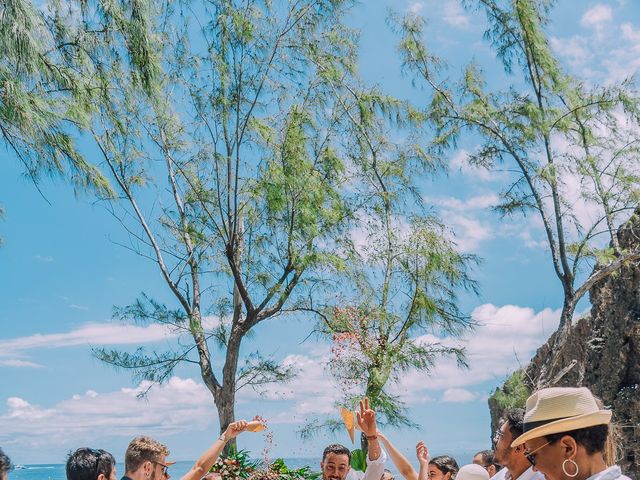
(530, 455)
(165, 468)
(497, 436)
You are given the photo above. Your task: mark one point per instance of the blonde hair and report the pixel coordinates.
(143, 449)
(613, 446)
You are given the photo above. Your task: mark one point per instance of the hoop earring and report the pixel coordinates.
(564, 468)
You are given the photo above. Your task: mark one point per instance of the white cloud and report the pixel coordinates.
(505, 339)
(78, 307)
(596, 16)
(88, 334)
(467, 218)
(454, 15)
(19, 363)
(416, 7)
(458, 395)
(575, 49)
(44, 258)
(460, 161)
(469, 231)
(312, 391)
(630, 33)
(180, 405)
(477, 202)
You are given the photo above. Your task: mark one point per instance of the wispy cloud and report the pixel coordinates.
(458, 395)
(415, 7)
(181, 405)
(454, 15)
(19, 363)
(505, 339)
(596, 16)
(44, 258)
(88, 334)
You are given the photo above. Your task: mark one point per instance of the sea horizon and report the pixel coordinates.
(56, 471)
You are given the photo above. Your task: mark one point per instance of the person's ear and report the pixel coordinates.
(492, 470)
(101, 477)
(569, 445)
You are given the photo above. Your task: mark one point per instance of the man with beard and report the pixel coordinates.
(336, 459)
(146, 458)
(516, 466)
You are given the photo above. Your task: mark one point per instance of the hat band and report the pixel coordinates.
(531, 425)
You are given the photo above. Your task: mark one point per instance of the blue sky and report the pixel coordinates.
(62, 271)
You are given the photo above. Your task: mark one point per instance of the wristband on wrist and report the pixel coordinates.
(372, 437)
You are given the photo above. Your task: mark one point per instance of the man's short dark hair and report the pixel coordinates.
(336, 449)
(5, 463)
(88, 463)
(487, 457)
(515, 417)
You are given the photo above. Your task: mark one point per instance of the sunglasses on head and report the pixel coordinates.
(530, 455)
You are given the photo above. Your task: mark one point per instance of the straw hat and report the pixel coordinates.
(557, 410)
(472, 472)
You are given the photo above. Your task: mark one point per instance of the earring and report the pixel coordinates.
(564, 468)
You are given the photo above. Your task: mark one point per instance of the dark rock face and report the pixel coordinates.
(602, 351)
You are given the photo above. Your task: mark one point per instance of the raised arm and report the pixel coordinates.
(206, 461)
(399, 460)
(422, 452)
(366, 419)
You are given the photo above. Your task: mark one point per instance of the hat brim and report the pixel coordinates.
(168, 464)
(601, 417)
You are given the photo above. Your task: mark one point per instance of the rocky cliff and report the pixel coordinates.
(602, 352)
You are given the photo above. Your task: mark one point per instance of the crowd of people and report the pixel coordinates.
(562, 434)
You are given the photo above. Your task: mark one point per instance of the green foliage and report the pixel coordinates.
(359, 460)
(552, 132)
(235, 464)
(279, 467)
(514, 392)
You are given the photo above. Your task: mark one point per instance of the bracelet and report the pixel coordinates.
(372, 437)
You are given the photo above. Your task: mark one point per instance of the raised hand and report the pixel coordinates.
(366, 419)
(422, 452)
(235, 428)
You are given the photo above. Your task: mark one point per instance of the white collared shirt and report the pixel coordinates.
(611, 473)
(528, 474)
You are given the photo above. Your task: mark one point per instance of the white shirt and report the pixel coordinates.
(528, 474)
(375, 468)
(611, 473)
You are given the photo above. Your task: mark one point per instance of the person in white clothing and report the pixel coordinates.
(336, 459)
(516, 466)
(565, 433)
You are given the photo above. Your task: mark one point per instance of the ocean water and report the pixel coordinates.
(57, 471)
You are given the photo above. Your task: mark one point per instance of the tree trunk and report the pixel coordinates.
(568, 309)
(225, 400)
